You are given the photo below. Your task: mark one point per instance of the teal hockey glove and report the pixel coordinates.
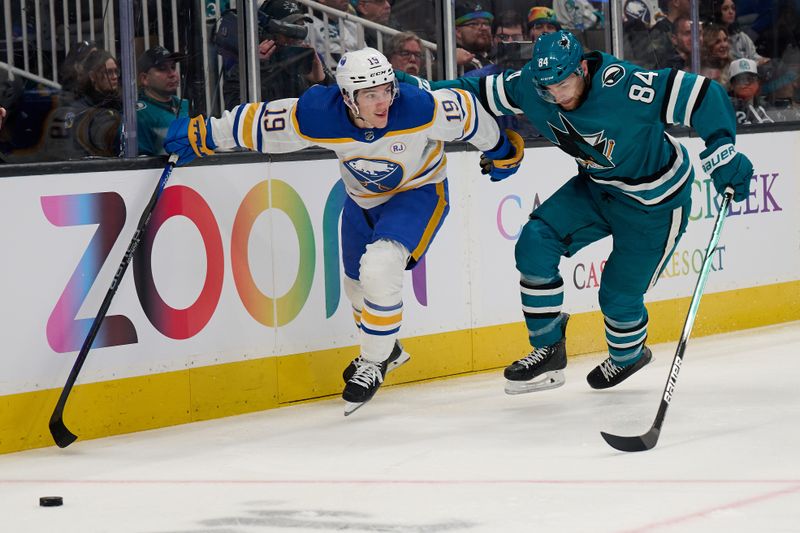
(503, 160)
(728, 168)
(189, 138)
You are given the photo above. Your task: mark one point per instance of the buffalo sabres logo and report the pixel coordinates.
(612, 74)
(375, 175)
(592, 150)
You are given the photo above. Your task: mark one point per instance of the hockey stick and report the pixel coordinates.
(62, 436)
(649, 439)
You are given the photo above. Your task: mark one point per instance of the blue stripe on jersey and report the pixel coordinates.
(379, 333)
(474, 102)
(239, 110)
(384, 308)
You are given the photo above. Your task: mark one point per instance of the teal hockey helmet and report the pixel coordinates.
(556, 56)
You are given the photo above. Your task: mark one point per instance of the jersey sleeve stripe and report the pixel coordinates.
(247, 126)
(471, 118)
(236, 125)
(259, 132)
(702, 94)
(690, 104)
(674, 91)
(670, 82)
(490, 100)
(504, 99)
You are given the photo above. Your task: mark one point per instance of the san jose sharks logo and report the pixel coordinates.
(592, 150)
(375, 175)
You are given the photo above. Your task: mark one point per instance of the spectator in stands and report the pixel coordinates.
(158, 103)
(473, 35)
(577, 15)
(715, 52)
(72, 68)
(638, 17)
(288, 66)
(724, 14)
(87, 122)
(377, 11)
(661, 32)
(338, 36)
(508, 28)
(404, 52)
(682, 42)
(745, 88)
(541, 20)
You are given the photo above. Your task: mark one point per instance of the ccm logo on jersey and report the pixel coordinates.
(612, 74)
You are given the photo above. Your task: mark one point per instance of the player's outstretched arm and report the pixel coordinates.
(494, 92)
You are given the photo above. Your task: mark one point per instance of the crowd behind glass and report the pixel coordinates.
(751, 47)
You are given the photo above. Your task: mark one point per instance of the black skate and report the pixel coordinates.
(402, 358)
(365, 382)
(607, 374)
(539, 370)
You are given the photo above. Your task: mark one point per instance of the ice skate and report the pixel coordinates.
(607, 374)
(401, 359)
(366, 380)
(542, 369)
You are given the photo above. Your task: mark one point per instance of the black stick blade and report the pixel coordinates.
(62, 436)
(633, 444)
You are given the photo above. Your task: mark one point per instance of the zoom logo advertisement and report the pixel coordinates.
(107, 211)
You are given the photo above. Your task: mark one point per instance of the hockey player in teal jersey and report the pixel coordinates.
(389, 140)
(633, 183)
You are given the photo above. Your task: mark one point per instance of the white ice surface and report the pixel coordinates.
(456, 455)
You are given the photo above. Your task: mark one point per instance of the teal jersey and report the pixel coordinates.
(617, 135)
(152, 122)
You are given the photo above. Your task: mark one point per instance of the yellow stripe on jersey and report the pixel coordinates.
(314, 139)
(247, 125)
(470, 113)
(369, 318)
(416, 129)
(433, 223)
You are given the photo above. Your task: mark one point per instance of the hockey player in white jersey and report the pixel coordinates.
(389, 142)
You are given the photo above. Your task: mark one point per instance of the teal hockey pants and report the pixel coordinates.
(576, 215)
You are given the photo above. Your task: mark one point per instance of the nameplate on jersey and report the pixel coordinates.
(721, 156)
(375, 175)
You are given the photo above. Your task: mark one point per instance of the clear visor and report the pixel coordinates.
(379, 94)
(562, 90)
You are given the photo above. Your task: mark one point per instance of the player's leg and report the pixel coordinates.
(562, 225)
(643, 245)
(356, 232)
(403, 229)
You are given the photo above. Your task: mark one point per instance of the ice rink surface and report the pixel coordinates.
(456, 455)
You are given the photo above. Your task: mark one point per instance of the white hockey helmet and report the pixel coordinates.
(362, 69)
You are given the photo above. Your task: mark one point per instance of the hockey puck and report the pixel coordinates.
(51, 501)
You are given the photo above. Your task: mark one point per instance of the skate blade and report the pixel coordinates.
(352, 407)
(400, 361)
(547, 381)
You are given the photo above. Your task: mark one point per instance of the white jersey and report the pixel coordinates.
(375, 163)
